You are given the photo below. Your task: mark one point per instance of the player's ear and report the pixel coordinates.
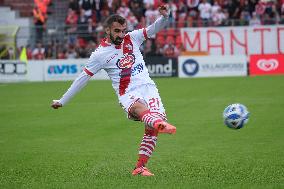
(107, 30)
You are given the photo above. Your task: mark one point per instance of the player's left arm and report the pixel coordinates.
(160, 23)
(139, 36)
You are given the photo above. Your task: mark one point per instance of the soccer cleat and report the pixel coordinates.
(164, 127)
(142, 171)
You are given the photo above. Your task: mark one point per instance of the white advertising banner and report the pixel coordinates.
(235, 40)
(60, 70)
(44, 70)
(13, 71)
(212, 66)
(35, 70)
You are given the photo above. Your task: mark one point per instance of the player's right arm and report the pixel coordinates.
(80, 82)
(92, 67)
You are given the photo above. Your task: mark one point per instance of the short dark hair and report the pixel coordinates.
(114, 18)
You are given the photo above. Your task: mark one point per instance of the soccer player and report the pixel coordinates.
(119, 55)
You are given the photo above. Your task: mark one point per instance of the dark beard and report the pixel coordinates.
(116, 41)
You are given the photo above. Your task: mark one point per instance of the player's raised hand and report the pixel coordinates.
(56, 104)
(164, 10)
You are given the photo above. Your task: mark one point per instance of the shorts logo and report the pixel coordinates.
(267, 65)
(126, 62)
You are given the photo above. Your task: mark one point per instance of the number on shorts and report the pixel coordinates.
(154, 103)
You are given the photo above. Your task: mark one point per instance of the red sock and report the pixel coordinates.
(149, 118)
(147, 146)
(142, 160)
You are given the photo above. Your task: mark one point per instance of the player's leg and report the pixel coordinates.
(150, 117)
(140, 106)
(144, 104)
(150, 110)
(146, 149)
(152, 113)
(134, 105)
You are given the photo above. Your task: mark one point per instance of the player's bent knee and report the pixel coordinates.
(138, 108)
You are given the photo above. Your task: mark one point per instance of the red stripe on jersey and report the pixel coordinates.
(104, 43)
(88, 72)
(145, 33)
(124, 81)
(127, 45)
(126, 72)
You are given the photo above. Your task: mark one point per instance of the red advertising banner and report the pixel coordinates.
(234, 40)
(268, 64)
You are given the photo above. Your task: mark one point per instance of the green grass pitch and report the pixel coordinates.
(90, 143)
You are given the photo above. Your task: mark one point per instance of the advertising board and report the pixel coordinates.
(269, 64)
(212, 66)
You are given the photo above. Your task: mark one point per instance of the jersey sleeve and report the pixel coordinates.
(80, 82)
(94, 64)
(139, 36)
(157, 26)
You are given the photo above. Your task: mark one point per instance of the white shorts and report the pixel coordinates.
(147, 94)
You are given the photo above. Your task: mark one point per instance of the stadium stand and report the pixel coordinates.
(24, 7)
(73, 28)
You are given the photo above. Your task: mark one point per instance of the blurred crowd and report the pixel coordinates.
(40, 13)
(84, 23)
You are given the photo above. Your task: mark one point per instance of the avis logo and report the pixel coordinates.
(126, 62)
(267, 65)
(63, 69)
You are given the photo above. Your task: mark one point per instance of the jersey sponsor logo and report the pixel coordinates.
(62, 69)
(134, 71)
(112, 57)
(126, 62)
(137, 69)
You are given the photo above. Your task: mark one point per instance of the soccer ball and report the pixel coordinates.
(235, 116)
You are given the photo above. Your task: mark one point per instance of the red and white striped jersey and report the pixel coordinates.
(124, 64)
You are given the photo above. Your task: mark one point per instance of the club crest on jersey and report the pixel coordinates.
(129, 47)
(126, 62)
